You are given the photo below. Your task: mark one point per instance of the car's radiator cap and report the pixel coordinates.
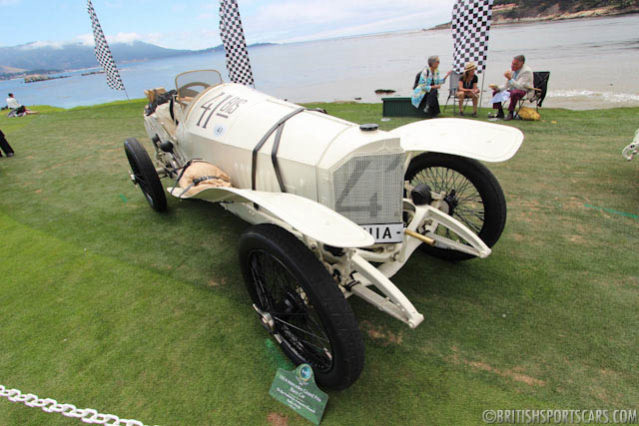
(368, 127)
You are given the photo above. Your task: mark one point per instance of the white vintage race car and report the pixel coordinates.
(631, 150)
(337, 208)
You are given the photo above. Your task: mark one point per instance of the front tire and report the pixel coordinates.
(145, 175)
(473, 196)
(309, 316)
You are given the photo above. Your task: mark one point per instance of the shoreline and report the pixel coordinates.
(142, 100)
(602, 12)
(344, 75)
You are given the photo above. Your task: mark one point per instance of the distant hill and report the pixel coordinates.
(27, 58)
(6, 69)
(567, 5)
(560, 9)
(522, 11)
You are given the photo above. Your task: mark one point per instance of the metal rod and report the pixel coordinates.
(420, 237)
(483, 79)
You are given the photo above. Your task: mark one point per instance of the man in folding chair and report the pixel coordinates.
(519, 83)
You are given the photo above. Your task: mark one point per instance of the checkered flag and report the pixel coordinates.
(471, 25)
(232, 34)
(103, 53)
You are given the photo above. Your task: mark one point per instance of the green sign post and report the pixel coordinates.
(297, 390)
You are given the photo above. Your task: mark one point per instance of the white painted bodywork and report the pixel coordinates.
(223, 124)
(631, 150)
(467, 138)
(312, 143)
(303, 215)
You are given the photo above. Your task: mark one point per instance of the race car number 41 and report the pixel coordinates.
(386, 233)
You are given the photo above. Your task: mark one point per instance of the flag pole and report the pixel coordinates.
(470, 29)
(238, 64)
(483, 80)
(103, 53)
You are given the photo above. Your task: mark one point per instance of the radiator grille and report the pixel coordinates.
(368, 189)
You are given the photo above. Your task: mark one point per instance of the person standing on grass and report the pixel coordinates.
(425, 93)
(17, 109)
(4, 146)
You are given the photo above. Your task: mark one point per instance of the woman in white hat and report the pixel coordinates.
(467, 88)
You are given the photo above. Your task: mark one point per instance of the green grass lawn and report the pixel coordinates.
(109, 305)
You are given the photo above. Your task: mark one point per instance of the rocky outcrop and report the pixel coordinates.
(38, 77)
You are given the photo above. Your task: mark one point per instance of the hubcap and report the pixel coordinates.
(452, 201)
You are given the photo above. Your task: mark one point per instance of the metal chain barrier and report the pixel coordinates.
(48, 405)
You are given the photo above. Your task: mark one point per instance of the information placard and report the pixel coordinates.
(297, 390)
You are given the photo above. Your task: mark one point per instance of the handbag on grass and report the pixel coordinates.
(529, 114)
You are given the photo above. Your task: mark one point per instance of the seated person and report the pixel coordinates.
(519, 84)
(425, 93)
(17, 109)
(467, 88)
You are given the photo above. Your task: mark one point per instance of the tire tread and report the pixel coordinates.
(324, 294)
(136, 153)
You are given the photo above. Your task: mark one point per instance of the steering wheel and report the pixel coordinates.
(187, 90)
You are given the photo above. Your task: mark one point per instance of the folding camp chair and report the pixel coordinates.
(453, 87)
(453, 84)
(540, 81)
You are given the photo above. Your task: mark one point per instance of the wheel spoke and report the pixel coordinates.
(469, 206)
(319, 353)
(258, 277)
(285, 300)
(465, 184)
(473, 213)
(472, 198)
(465, 190)
(299, 329)
(473, 226)
(305, 314)
(442, 177)
(288, 313)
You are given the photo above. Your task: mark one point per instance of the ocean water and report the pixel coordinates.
(593, 64)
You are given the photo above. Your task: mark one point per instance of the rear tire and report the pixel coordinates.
(312, 321)
(478, 199)
(145, 175)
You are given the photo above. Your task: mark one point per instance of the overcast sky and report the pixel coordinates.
(193, 24)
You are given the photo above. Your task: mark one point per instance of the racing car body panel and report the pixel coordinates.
(306, 216)
(267, 144)
(467, 138)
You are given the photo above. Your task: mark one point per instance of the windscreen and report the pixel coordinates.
(190, 84)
